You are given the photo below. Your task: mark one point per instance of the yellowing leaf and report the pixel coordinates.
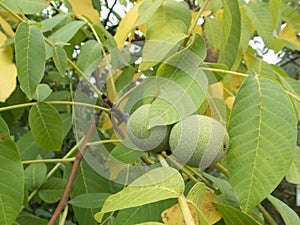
(115, 168)
(235, 82)
(209, 209)
(6, 27)
(85, 8)
(290, 35)
(173, 215)
(249, 57)
(8, 71)
(216, 90)
(229, 101)
(126, 25)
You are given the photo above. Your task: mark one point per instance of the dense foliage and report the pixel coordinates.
(72, 72)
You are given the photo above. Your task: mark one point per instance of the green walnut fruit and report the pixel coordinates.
(155, 139)
(199, 141)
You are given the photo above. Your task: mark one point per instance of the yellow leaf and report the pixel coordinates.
(85, 8)
(198, 27)
(142, 28)
(110, 84)
(10, 19)
(137, 76)
(6, 27)
(290, 35)
(8, 71)
(209, 209)
(173, 215)
(126, 25)
(106, 123)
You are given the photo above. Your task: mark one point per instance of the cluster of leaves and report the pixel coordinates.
(51, 47)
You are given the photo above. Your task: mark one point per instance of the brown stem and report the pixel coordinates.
(65, 197)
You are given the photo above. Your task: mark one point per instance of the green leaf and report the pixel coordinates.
(212, 27)
(225, 188)
(3, 126)
(106, 38)
(196, 194)
(183, 95)
(42, 92)
(125, 77)
(275, 11)
(262, 21)
(291, 85)
(30, 57)
(25, 7)
(12, 116)
(150, 223)
(261, 68)
(293, 174)
(67, 32)
(168, 11)
(34, 175)
(46, 126)
(147, 10)
(11, 180)
(156, 51)
(89, 200)
(50, 23)
(52, 190)
(289, 216)
(182, 86)
(67, 122)
(263, 136)
(125, 152)
(29, 149)
(87, 180)
(30, 219)
(156, 185)
(89, 56)
(231, 33)
(148, 212)
(234, 216)
(60, 59)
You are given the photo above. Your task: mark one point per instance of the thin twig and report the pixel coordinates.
(109, 13)
(172, 160)
(146, 160)
(65, 197)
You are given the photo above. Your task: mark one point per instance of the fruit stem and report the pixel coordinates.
(72, 159)
(207, 183)
(188, 218)
(180, 167)
(222, 169)
(162, 160)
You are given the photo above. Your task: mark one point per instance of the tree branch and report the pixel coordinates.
(65, 197)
